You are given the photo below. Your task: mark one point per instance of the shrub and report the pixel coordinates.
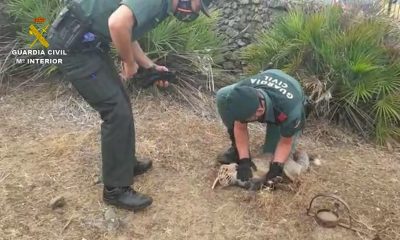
(345, 62)
(193, 46)
(22, 14)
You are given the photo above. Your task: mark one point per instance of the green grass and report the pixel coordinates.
(344, 62)
(172, 36)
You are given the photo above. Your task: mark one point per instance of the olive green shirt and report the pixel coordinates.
(284, 100)
(148, 14)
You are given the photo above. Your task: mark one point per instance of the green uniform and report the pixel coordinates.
(284, 98)
(148, 14)
(91, 71)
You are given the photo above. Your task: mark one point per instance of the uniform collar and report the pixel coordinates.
(269, 115)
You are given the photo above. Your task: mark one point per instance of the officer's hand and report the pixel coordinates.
(274, 175)
(128, 70)
(161, 83)
(244, 172)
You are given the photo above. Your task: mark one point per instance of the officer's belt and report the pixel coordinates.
(71, 25)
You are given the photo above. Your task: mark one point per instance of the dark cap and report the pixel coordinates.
(237, 104)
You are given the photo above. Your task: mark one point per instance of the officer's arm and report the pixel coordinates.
(140, 57)
(241, 139)
(120, 25)
(283, 149)
(288, 130)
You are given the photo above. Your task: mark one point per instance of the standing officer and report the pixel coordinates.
(271, 97)
(85, 28)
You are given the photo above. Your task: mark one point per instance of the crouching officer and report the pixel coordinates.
(85, 28)
(271, 97)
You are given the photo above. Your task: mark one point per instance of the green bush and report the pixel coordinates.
(345, 62)
(23, 12)
(190, 41)
(176, 37)
(191, 50)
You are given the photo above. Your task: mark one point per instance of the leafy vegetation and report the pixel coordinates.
(22, 13)
(189, 48)
(347, 62)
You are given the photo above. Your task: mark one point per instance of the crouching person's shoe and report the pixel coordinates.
(126, 198)
(228, 157)
(142, 165)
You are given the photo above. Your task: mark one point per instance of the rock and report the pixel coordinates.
(228, 11)
(234, 5)
(394, 180)
(223, 28)
(257, 18)
(112, 220)
(317, 162)
(243, 2)
(278, 4)
(228, 65)
(235, 56)
(256, 1)
(241, 43)
(57, 202)
(232, 32)
(243, 19)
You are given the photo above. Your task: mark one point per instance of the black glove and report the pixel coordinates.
(244, 172)
(147, 77)
(274, 174)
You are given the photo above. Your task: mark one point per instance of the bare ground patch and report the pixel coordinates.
(50, 147)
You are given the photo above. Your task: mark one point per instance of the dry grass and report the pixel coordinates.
(51, 147)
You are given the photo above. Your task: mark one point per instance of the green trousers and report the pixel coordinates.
(94, 76)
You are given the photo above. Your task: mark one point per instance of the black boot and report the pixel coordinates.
(229, 156)
(141, 166)
(126, 197)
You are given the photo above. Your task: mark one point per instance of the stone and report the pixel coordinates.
(256, 1)
(57, 202)
(243, 19)
(243, 2)
(279, 4)
(228, 65)
(228, 11)
(232, 32)
(241, 43)
(257, 18)
(234, 5)
(235, 57)
(111, 219)
(223, 28)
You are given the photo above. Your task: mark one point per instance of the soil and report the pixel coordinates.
(50, 152)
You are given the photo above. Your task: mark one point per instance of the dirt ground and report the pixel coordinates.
(49, 147)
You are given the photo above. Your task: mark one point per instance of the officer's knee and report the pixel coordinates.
(122, 113)
(117, 110)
